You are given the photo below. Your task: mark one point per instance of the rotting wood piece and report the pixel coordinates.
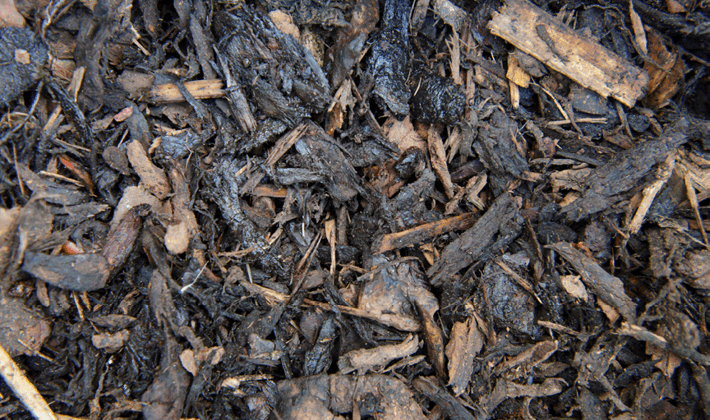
(609, 184)
(609, 288)
(539, 34)
(475, 242)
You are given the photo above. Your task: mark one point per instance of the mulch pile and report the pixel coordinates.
(326, 210)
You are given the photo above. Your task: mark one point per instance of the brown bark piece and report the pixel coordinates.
(473, 243)
(110, 343)
(120, 241)
(507, 389)
(133, 196)
(389, 292)
(8, 230)
(539, 34)
(466, 341)
(152, 177)
(665, 82)
(181, 200)
(609, 288)
(529, 358)
(81, 272)
(608, 184)
(421, 234)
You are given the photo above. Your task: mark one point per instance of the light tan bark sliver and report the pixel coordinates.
(583, 60)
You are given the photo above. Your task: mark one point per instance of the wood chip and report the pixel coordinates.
(539, 34)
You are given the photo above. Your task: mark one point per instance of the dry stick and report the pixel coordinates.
(23, 388)
(518, 279)
(421, 233)
(649, 195)
(694, 204)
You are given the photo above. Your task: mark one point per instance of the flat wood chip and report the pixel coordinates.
(539, 34)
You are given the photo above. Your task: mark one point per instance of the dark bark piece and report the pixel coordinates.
(203, 42)
(149, 10)
(497, 149)
(389, 61)
(625, 173)
(692, 25)
(81, 272)
(408, 207)
(165, 397)
(324, 155)
(319, 358)
(475, 242)
(266, 131)
(96, 30)
(436, 99)
(23, 56)
(117, 160)
(73, 112)
(609, 288)
(507, 304)
(351, 39)
(237, 101)
(281, 76)
(590, 405)
(225, 192)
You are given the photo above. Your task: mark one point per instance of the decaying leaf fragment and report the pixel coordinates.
(330, 397)
(371, 359)
(389, 295)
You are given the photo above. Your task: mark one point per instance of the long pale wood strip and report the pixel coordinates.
(588, 63)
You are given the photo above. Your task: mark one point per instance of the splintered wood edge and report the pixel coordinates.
(581, 59)
(200, 89)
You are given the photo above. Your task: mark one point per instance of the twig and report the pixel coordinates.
(23, 388)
